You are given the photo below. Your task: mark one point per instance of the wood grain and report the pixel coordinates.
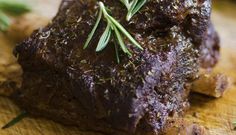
(216, 115)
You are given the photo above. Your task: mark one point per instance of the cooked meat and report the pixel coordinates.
(217, 83)
(209, 49)
(68, 84)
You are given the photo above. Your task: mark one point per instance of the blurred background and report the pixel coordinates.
(33, 14)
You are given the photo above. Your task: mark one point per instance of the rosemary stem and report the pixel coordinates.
(15, 120)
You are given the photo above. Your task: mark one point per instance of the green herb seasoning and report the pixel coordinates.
(133, 7)
(234, 124)
(112, 26)
(14, 7)
(15, 120)
(4, 21)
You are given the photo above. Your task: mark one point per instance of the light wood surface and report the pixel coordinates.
(216, 115)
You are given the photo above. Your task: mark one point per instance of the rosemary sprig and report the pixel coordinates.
(90, 36)
(104, 39)
(15, 7)
(234, 123)
(15, 120)
(133, 7)
(4, 21)
(112, 25)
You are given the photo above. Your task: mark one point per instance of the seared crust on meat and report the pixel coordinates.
(66, 83)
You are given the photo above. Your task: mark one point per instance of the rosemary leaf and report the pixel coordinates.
(139, 5)
(4, 21)
(117, 53)
(90, 36)
(126, 33)
(121, 42)
(234, 123)
(126, 3)
(104, 38)
(112, 25)
(15, 120)
(14, 6)
(133, 5)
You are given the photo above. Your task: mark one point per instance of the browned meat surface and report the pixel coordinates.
(209, 50)
(66, 83)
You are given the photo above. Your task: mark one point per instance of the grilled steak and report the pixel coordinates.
(76, 86)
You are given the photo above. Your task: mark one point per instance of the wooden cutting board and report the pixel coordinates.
(216, 115)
